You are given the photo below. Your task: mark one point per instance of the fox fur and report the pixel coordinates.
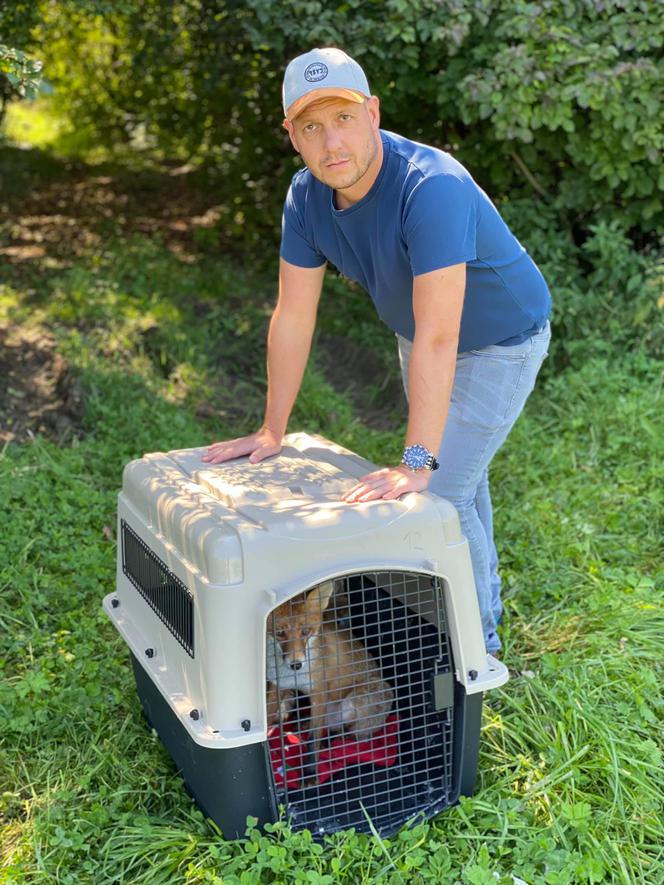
(315, 656)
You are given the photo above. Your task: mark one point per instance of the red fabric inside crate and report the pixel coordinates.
(287, 750)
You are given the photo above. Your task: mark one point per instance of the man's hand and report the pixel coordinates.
(258, 446)
(388, 483)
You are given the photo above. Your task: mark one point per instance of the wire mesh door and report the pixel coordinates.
(360, 702)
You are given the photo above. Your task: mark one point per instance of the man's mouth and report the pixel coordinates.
(336, 164)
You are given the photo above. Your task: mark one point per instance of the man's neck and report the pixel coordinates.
(347, 197)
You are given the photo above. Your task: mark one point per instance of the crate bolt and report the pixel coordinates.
(246, 724)
(472, 674)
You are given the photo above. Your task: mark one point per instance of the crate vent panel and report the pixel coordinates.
(164, 592)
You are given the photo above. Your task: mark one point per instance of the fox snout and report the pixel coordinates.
(293, 650)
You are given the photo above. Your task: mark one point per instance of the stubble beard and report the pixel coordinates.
(353, 175)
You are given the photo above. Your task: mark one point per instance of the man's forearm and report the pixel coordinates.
(430, 379)
(288, 346)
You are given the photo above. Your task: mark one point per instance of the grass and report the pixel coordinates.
(171, 355)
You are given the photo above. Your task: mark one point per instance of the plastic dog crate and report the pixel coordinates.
(215, 566)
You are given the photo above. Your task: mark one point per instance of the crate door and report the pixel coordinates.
(360, 692)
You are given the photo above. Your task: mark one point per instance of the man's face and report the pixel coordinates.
(337, 139)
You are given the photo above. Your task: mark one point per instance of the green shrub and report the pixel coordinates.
(607, 296)
(559, 98)
(20, 76)
(552, 105)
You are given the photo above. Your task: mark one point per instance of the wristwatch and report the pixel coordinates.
(417, 457)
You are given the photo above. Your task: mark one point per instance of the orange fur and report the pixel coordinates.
(345, 686)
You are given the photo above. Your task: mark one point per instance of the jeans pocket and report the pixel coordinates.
(486, 387)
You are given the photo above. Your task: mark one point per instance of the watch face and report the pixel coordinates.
(415, 457)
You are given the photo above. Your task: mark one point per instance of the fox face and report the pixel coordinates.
(293, 639)
(296, 624)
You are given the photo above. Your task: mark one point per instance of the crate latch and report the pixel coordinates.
(442, 685)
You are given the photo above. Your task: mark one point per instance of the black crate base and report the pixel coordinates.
(229, 784)
(226, 784)
(353, 799)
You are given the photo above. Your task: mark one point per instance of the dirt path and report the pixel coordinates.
(54, 214)
(38, 393)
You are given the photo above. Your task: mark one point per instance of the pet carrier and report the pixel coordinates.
(297, 655)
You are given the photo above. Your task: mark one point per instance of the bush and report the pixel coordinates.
(19, 76)
(553, 106)
(607, 296)
(559, 98)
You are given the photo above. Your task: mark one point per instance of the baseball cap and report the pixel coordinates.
(321, 73)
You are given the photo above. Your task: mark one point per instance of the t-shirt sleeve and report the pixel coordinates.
(296, 246)
(440, 223)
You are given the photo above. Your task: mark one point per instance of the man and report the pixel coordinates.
(468, 305)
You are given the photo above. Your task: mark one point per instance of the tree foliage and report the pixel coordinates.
(20, 76)
(554, 106)
(556, 100)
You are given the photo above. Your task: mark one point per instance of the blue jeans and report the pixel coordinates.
(491, 386)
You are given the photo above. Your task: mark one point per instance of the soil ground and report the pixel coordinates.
(55, 214)
(38, 393)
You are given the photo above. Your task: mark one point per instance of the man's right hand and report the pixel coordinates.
(288, 343)
(258, 446)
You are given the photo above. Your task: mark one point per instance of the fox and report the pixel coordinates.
(313, 655)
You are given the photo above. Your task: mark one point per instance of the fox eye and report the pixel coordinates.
(280, 634)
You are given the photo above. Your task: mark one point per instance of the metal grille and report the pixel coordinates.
(375, 658)
(163, 591)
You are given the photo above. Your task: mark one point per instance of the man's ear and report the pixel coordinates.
(288, 126)
(373, 109)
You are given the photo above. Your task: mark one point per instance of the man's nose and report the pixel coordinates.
(332, 139)
(296, 665)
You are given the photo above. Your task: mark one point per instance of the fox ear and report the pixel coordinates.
(319, 598)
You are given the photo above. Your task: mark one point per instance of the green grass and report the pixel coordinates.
(172, 355)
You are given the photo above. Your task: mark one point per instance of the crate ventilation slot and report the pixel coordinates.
(164, 592)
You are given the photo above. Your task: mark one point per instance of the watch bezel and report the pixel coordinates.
(418, 457)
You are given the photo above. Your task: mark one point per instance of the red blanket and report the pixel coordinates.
(380, 749)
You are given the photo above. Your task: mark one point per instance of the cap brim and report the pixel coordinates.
(324, 92)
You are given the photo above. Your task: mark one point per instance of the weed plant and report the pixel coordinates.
(172, 355)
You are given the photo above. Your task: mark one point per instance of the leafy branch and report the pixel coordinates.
(20, 76)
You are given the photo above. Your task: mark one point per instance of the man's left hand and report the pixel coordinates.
(388, 483)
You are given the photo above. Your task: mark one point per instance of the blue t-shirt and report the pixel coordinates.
(423, 212)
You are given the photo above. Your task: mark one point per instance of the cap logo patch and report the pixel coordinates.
(315, 72)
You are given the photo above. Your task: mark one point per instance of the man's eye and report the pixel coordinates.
(310, 127)
(345, 117)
